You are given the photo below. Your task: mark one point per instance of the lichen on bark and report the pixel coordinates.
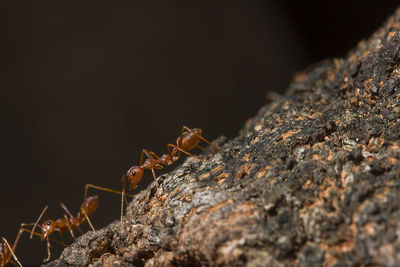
(312, 179)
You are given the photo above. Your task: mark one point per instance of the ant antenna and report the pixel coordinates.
(37, 221)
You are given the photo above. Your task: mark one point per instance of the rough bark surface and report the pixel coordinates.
(313, 179)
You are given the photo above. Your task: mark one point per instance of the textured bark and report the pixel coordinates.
(313, 179)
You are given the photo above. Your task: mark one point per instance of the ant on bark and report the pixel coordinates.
(61, 225)
(188, 140)
(70, 223)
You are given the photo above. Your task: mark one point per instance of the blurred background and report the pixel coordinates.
(86, 85)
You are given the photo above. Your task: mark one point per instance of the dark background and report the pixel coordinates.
(86, 85)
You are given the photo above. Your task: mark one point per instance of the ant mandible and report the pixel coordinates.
(61, 225)
(188, 140)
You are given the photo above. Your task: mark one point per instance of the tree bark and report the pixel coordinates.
(312, 179)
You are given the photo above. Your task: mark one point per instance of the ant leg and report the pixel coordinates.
(154, 154)
(69, 226)
(37, 221)
(151, 155)
(88, 220)
(123, 196)
(21, 230)
(4, 241)
(144, 151)
(48, 252)
(67, 221)
(66, 210)
(87, 186)
(201, 137)
(154, 177)
(183, 151)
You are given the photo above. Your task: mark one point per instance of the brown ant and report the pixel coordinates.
(188, 140)
(61, 225)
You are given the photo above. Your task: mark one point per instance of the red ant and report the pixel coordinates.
(61, 225)
(188, 140)
(88, 207)
(6, 252)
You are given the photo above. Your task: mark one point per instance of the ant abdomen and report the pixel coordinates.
(190, 139)
(90, 205)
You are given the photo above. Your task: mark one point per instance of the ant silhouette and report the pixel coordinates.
(88, 207)
(189, 139)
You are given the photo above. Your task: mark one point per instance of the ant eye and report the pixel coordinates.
(133, 173)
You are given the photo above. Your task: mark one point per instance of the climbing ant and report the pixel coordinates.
(88, 207)
(60, 225)
(188, 140)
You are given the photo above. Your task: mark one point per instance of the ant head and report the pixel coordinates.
(134, 175)
(47, 227)
(90, 204)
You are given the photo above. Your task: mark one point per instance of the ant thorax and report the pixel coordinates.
(168, 159)
(149, 163)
